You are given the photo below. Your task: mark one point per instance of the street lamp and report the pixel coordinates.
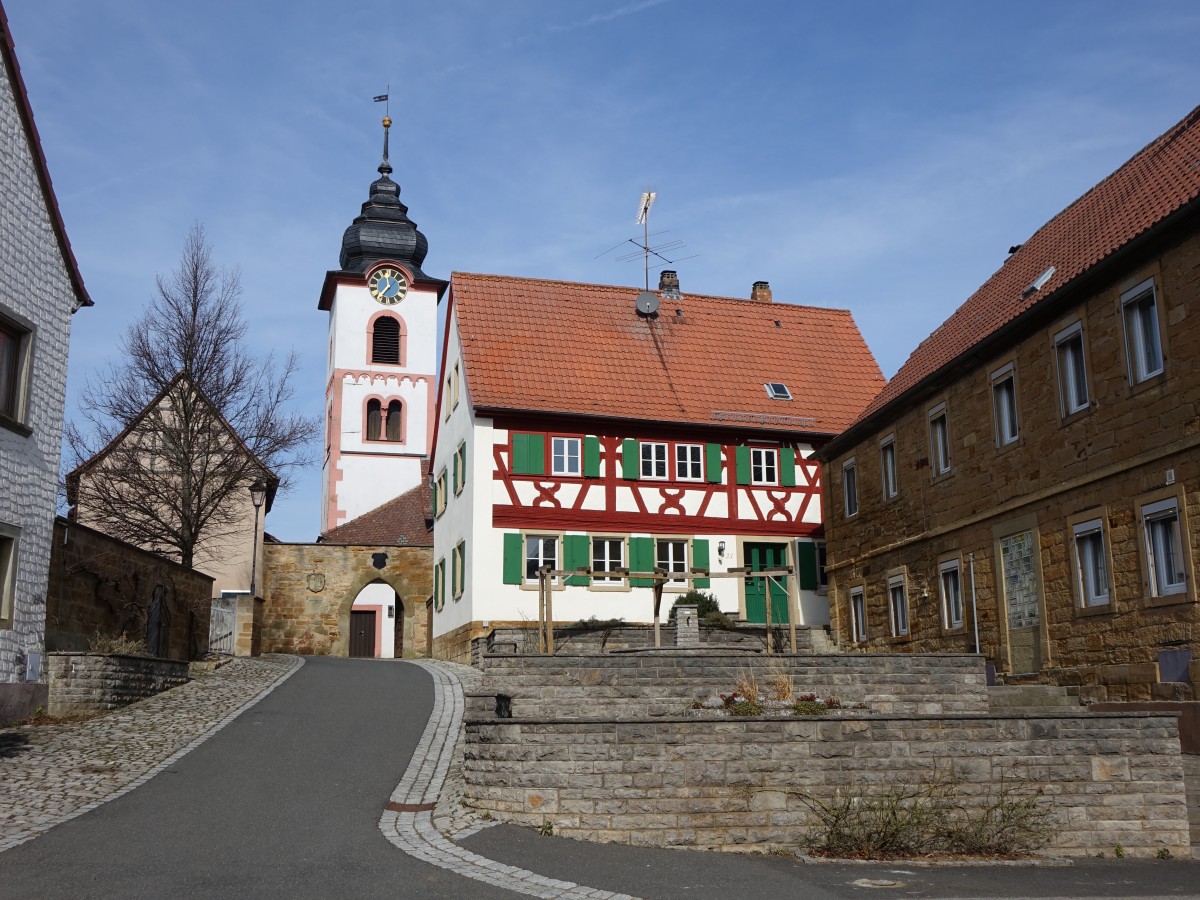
(258, 494)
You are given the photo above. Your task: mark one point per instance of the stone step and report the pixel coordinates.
(1012, 698)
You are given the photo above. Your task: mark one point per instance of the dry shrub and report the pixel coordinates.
(118, 644)
(779, 686)
(747, 687)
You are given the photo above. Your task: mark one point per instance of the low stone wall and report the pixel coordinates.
(666, 682)
(572, 639)
(91, 682)
(1106, 779)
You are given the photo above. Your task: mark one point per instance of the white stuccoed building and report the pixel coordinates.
(40, 288)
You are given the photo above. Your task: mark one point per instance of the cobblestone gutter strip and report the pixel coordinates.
(52, 773)
(426, 781)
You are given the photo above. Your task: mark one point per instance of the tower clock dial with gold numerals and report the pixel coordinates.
(388, 286)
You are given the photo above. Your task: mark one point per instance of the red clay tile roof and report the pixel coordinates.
(401, 522)
(564, 347)
(1160, 180)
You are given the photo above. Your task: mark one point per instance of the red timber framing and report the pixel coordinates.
(558, 501)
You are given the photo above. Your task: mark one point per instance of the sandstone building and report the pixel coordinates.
(1030, 478)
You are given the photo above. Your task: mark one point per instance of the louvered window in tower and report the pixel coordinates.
(385, 341)
(395, 422)
(374, 420)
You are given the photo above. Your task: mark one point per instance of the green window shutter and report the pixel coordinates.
(454, 573)
(631, 461)
(641, 559)
(436, 509)
(514, 558)
(528, 454)
(591, 456)
(806, 566)
(462, 567)
(743, 465)
(712, 463)
(700, 561)
(787, 467)
(576, 553)
(456, 471)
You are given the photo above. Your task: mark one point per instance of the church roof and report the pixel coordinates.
(582, 349)
(403, 521)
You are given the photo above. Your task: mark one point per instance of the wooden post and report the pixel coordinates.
(658, 589)
(541, 611)
(767, 599)
(549, 609)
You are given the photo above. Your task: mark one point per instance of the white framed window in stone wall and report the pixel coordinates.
(950, 591)
(1143, 337)
(850, 487)
(1073, 394)
(897, 589)
(887, 467)
(10, 536)
(1090, 553)
(1166, 570)
(939, 440)
(1004, 405)
(858, 615)
(16, 353)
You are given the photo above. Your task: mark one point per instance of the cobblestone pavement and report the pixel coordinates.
(52, 773)
(435, 774)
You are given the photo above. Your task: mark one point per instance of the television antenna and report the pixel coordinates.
(644, 248)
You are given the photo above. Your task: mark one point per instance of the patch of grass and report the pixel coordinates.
(1119, 852)
(119, 644)
(546, 829)
(745, 708)
(1163, 853)
(809, 708)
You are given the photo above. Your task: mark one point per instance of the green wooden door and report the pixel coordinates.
(759, 557)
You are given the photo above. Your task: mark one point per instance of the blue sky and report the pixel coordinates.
(875, 156)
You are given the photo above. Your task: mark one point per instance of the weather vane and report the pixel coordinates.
(383, 98)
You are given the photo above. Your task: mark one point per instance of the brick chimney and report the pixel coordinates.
(668, 283)
(761, 291)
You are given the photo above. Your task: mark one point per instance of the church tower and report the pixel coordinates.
(381, 381)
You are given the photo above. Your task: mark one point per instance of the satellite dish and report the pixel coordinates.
(647, 303)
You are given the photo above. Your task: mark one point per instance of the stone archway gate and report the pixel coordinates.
(309, 589)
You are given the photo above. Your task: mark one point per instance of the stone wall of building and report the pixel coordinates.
(308, 590)
(1132, 446)
(737, 784)
(102, 586)
(90, 682)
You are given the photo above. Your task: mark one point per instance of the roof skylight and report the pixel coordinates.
(1038, 283)
(777, 390)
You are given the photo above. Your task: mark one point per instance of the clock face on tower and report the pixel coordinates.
(388, 285)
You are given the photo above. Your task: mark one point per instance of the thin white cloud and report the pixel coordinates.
(601, 18)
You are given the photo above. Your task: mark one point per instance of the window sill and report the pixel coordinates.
(956, 631)
(900, 639)
(1170, 599)
(941, 476)
(1100, 609)
(1073, 417)
(15, 426)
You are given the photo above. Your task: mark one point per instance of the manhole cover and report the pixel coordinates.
(877, 883)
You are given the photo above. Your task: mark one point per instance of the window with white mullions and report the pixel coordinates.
(1072, 376)
(689, 462)
(950, 583)
(1091, 565)
(764, 466)
(564, 456)
(858, 616)
(1004, 403)
(898, 606)
(672, 556)
(1143, 344)
(540, 550)
(608, 555)
(654, 460)
(1164, 553)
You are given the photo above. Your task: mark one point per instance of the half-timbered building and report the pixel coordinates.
(601, 428)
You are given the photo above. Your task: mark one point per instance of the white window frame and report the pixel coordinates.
(950, 620)
(541, 558)
(10, 548)
(673, 564)
(693, 463)
(858, 615)
(1138, 331)
(1005, 417)
(1072, 372)
(775, 394)
(1152, 515)
(652, 454)
(939, 440)
(1087, 579)
(898, 611)
(605, 562)
(568, 450)
(22, 333)
(850, 488)
(887, 467)
(764, 465)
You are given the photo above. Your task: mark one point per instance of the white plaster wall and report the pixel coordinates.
(35, 285)
(353, 308)
(371, 481)
(382, 596)
(412, 392)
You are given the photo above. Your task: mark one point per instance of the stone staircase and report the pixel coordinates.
(1032, 698)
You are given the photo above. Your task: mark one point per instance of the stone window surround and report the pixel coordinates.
(403, 338)
(1132, 291)
(385, 415)
(1060, 337)
(1176, 493)
(940, 467)
(1096, 513)
(26, 332)
(945, 561)
(10, 546)
(898, 577)
(605, 586)
(1007, 372)
(850, 487)
(888, 467)
(858, 629)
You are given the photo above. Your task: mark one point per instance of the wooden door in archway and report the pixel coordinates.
(362, 633)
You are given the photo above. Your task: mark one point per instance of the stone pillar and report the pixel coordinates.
(687, 626)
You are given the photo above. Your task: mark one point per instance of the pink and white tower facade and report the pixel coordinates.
(381, 382)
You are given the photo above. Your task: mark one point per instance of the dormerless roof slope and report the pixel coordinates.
(1144, 193)
(564, 347)
(402, 521)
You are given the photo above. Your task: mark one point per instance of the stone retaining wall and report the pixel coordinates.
(91, 682)
(1106, 779)
(666, 682)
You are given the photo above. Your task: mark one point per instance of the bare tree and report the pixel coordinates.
(187, 416)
